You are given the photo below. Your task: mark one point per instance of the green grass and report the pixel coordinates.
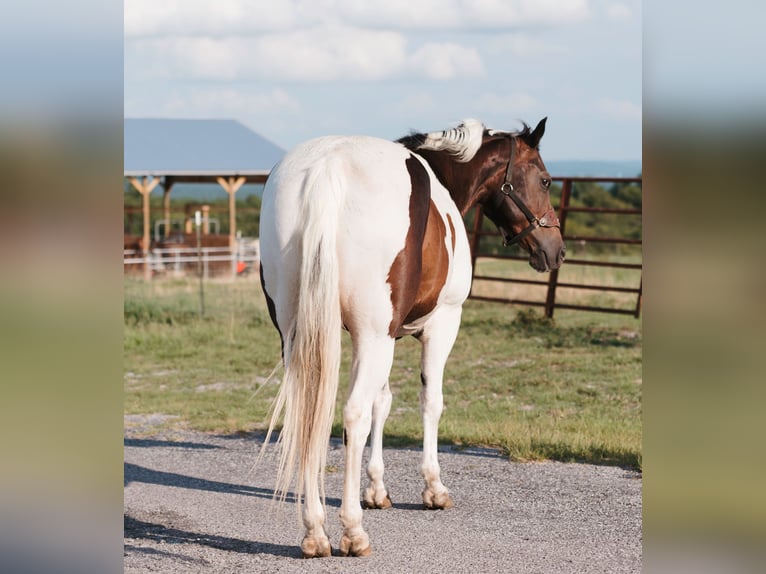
(568, 389)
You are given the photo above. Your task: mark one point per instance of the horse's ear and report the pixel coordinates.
(534, 138)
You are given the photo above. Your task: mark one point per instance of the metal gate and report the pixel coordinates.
(564, 209)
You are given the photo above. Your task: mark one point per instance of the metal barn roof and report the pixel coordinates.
(171, 147)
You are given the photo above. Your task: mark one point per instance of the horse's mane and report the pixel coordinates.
(462, 142)
(523, 133)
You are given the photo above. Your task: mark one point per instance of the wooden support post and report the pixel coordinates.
(166, 207)
(189, 219)
(205, 209)
(145, 189)
(231, 185)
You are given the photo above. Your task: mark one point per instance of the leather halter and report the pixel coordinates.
(548, 219)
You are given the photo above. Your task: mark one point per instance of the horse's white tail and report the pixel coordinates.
(312, 342)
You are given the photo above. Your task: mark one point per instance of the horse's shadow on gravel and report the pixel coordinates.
(140, 529)
(179, 531)
(136, 473)
(151, 442)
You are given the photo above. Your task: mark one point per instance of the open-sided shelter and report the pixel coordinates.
(163, 152)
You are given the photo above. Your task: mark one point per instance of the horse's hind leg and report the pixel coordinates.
(376, 495)
(437, 339)
(373, 356)
(315, 543)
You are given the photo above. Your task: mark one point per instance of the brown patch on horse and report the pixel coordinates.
(404, 275)
(435, 266)
(420, 269)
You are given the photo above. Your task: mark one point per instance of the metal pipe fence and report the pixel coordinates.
(184, 260)
(553, 284)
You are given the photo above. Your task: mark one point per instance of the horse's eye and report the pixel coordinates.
(546, 183)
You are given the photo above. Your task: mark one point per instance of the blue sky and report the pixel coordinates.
(296, 69)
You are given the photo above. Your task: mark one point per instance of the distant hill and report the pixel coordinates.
(582, 168)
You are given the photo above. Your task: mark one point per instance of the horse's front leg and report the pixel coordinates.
(438, 338)
(370, 369)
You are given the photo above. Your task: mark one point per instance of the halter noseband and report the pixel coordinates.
(548, 219)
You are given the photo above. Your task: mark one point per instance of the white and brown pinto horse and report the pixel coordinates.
(367, 235)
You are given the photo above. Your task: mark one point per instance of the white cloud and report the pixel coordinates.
(307, 55)
(525, 44)
(322, 40)
(552, 11)
(256, 60)
(314, 55)
(460, 14)
(329, 54)
(201, 17)
(400, 14)
(446, 62)
(619, 109)
(238, 17)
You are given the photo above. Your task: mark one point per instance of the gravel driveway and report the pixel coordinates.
(194, 503)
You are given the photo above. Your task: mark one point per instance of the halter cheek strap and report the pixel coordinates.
(548, 219)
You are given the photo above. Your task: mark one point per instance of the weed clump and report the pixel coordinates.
(146, 311)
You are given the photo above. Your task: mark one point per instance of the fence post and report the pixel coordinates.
(197, 223)
(550, 299)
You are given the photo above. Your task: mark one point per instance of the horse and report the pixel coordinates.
(367, 235)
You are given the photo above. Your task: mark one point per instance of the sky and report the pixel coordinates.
(296, 69)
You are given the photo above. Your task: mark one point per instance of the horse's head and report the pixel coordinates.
(518, 200)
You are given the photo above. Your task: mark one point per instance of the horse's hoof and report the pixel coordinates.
(316, 547)
(438, 501)
(358, 545)
(369, 501)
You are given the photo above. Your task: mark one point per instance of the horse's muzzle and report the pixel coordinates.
(542, 261)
